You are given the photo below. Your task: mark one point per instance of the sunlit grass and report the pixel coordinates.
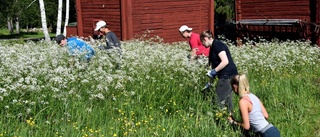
(154, 92)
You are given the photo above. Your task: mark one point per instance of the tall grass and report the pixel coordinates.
(154, 92)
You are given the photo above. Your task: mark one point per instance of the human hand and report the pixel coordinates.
(212, 73)
(231, 121)
(230, 118)
(100, 47)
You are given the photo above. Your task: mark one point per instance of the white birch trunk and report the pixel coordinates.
(44, 21)
(66, 22)
(9, 22)
(59, 20)
(17, 25)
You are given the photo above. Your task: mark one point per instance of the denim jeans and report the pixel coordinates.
(271, 132)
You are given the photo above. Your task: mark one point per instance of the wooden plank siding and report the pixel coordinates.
(164, 17)
(305, 10)
(93, 11)
(132, 18)
(274, 9)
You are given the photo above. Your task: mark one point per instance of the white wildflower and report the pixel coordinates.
(14, 101)
(84, 81)
(89, 109)
(28, 110)
(132, 93)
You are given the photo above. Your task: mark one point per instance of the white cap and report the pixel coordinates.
(184, 28)
(100, 24)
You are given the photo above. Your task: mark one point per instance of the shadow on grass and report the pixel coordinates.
(24, 37)
(20, 35)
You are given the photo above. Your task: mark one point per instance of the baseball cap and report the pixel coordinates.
(59, 38)
(184, 28)
(100, 24)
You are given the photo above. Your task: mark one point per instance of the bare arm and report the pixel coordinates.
(193, 54)
(244, 110)
(264, 111)
(224, 61)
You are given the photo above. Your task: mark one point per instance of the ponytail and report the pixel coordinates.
(243, 84)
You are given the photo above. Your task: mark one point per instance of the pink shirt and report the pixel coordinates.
(195, 42)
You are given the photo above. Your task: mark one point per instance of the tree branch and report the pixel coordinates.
(31, 3)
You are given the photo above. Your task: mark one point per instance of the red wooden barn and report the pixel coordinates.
(129, 18)
(287, 19)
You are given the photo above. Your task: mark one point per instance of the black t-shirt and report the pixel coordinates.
(214, 60)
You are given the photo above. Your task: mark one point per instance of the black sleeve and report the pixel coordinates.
(219, 46)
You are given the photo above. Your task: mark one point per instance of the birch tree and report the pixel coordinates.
(16, 12)
(17, 25)
(7, 11)
(67, 18)
(44, 21)
(10, 25)
(60, 3)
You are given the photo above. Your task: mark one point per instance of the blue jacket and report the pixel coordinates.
(77, 46)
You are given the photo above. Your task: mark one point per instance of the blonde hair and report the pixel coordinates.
(243, 84)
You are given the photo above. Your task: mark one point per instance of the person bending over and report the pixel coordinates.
(222, 65)
(76, 47)
(197, 49)
(253, 112)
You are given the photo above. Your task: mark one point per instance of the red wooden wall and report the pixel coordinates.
(91, 11)
(131, 18)
(273, 9)
(164, 17)
(304, 10)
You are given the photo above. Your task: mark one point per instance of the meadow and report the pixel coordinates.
(153, 90)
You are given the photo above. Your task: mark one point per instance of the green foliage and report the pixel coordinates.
(224, 10)
(31, 15)
(28, 12)
(155, 92)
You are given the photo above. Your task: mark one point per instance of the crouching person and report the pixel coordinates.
(112, 42)
(253, 113)
(76, 47)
